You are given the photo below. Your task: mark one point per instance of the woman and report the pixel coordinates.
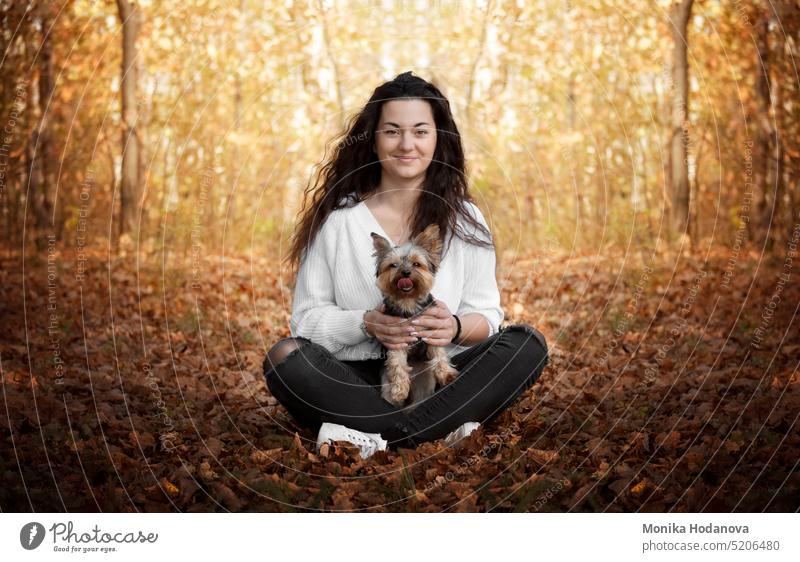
(399, 168)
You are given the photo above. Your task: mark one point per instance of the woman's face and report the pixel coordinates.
(405, 139)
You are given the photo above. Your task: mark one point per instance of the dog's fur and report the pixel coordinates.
(410, 375)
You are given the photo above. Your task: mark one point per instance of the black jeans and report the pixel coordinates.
(315, 387)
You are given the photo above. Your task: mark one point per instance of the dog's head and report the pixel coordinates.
(406, 273)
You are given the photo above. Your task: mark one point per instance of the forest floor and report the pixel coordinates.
(673, 385)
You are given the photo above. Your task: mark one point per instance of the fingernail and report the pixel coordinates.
(415, 321)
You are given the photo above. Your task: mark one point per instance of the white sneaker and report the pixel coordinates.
(368, 443)
(454, 437)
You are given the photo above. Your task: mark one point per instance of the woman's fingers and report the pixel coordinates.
(387, 332)
(434, 318)
(392, 336)
(435, 311)
(398, 329)
(396, 345)
(394, 332)
(436, 342)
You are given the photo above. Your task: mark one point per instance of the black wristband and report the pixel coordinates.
(458, 331)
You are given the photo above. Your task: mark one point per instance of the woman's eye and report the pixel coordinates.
(422, 132)
(391, 132)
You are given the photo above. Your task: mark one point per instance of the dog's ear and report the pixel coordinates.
(430, 240)
(382, 245)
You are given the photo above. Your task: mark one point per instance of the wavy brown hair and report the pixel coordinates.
(352, 170)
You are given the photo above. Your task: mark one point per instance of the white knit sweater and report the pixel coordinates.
(336, 283)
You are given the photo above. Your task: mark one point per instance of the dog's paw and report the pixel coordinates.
(444, 373)
(397, 391)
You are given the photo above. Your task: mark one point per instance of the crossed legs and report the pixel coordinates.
(315, 387)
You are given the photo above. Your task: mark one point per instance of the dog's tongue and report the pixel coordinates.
(405, 283)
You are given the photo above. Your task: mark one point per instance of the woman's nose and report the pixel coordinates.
(407, 141)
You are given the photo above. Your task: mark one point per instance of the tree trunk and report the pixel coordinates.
(679, 165)
(768, 153)
(233, 170)
(130, 179)
(476, 61)
(40, 168)
(771, 219)
(337, 79)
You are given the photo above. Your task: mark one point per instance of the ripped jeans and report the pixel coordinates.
(316, 387)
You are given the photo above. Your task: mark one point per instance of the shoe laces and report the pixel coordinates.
(365, 442)
(361, 440)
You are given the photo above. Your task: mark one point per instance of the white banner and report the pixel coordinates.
(348, 537)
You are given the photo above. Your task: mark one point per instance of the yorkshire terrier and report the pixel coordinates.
(405, 277)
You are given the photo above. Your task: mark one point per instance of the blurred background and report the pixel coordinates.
(637, 162)
(588, 125)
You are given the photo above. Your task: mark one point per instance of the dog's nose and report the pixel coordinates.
(406, 272)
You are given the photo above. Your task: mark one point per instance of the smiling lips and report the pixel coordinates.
(405, 158)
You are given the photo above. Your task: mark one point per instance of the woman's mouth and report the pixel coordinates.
(405, 158)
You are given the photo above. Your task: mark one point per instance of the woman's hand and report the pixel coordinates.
(394, 332)
(436, 325)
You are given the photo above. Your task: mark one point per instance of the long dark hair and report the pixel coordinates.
(352, 170)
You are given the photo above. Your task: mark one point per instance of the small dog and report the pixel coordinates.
(405, 277)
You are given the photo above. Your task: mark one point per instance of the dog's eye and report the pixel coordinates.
(393, 265)
(416, 264)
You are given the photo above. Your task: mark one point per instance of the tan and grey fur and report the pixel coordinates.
(410, 375)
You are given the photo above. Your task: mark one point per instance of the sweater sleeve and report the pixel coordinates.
(480, 292)
(315, 314)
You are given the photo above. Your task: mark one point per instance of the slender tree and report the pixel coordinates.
(768, 145)
(130, 180)
(39, 149)
(679, 15)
